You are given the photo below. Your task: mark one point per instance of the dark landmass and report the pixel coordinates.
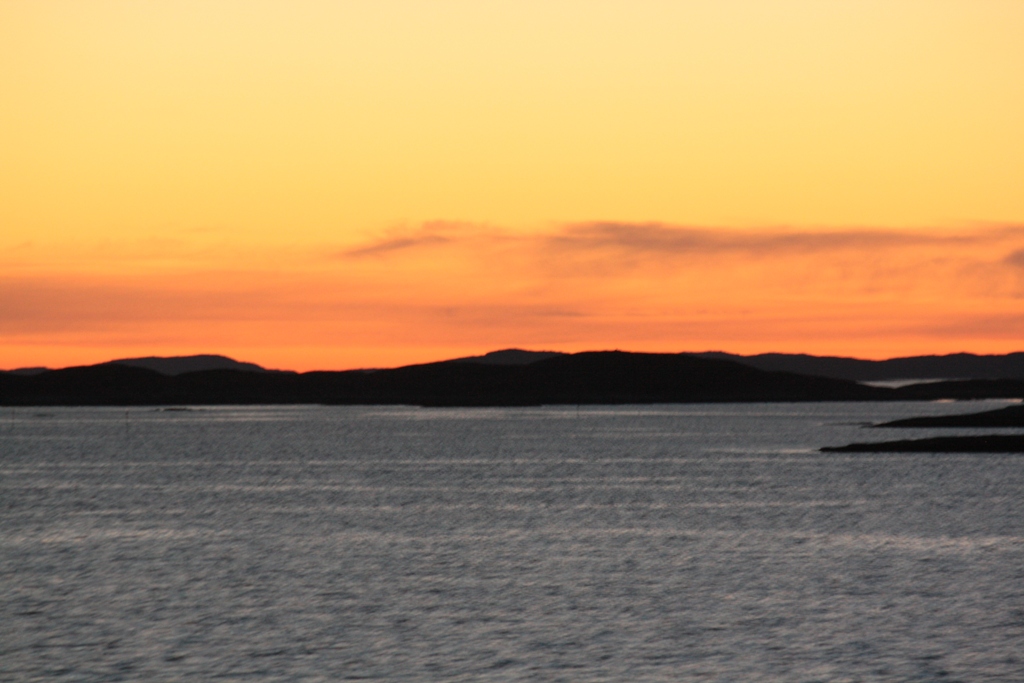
(959, 366)
(953, 366)
(179, 365)
(609, 377)
(1012, 416)
(509, 357)
(29, 371)
(503, 378)
(965, 390)
(166, 365)
(992, 443)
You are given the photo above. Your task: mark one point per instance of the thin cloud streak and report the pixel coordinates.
(431, 234)
(1015, 258)
(667, 241)
(657, 238)
(393, 244)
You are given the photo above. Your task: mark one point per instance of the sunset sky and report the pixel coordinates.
(319, 184)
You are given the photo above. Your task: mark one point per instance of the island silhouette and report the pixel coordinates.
(986, 443)
(1012, 416)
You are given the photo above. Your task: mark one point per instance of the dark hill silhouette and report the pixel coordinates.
(509, 357)
(178, 365)
(36, 370)
(953, 366)
(583, 378)
(602, 377)
(960, 366)
(107, 384)
(586, 378)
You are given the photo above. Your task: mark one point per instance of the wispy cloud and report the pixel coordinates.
(431, 234)
(1015, 258)
(671, 241)
(657, 238)
(393, 244)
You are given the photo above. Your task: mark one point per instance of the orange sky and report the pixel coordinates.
(318, 184)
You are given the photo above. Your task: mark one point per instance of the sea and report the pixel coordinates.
(566, 543)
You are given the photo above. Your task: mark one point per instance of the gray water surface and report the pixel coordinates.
(639, 543)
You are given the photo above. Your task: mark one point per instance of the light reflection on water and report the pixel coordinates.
(578, 544)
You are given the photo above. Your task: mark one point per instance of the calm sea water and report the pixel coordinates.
(696, 542)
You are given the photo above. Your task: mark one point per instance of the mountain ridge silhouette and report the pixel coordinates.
(955, 366)
(596, 377)
(589, 377)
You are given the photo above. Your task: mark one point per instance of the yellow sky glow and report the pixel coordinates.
(324, 184)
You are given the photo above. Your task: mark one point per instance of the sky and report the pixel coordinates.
(317, 184)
